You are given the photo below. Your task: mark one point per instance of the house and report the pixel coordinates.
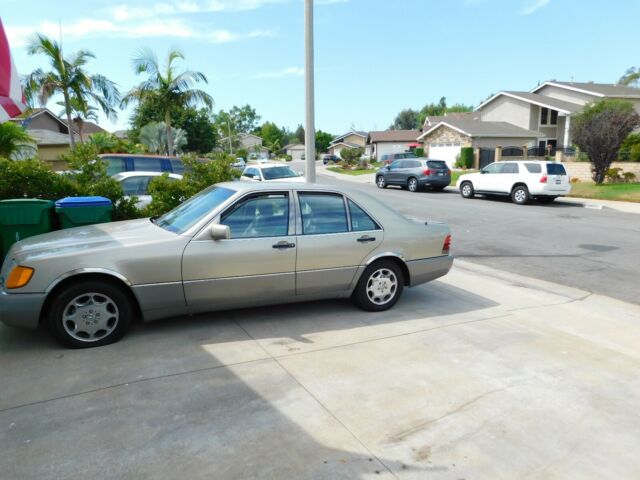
(49, 131)
(296, 150)
(249, 142)
(445, 139)
(392, 141)
(548, 107)
(434, 119)
(351, 139)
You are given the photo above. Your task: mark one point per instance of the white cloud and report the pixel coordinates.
(85, 28)
(533, 6)
(286, 72)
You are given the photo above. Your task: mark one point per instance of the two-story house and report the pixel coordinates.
(351, 139)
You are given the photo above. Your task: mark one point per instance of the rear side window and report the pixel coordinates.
(556, 169)
(360, 221)
(177, 166)
(437, 164)
(142, 164)
(322, 213)
(510, 168)
(533, 167)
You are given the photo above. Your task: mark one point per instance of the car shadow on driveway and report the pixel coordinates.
(204, 396)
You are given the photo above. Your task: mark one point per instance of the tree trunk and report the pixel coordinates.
(80, 123)
(67, 107)
(167, 121)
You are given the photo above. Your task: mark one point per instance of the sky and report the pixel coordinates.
(373, 58)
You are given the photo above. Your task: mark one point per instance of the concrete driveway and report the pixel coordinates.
(483, 374)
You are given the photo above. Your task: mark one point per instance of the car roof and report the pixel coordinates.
(141, 173)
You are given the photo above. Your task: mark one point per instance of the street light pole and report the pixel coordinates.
(230, 144)
(310, 129)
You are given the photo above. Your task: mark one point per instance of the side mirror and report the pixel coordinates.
(301, 174)
(483, 171)
(388, 167)
(220, 232)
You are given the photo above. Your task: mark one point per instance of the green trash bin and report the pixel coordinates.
(23, 218)
(79, 211)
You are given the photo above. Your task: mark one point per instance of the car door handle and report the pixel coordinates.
(366, 238)
(283, 244)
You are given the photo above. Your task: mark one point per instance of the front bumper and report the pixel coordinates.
(21, 309)
(427, 269)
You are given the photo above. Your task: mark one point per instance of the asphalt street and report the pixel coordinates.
(594, 250)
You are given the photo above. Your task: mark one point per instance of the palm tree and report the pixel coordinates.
(166, 88)
(12, 139)
(79, 113)
(69, 78)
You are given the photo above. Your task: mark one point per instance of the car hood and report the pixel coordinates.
(102, 236)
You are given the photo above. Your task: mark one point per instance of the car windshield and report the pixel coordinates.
(186, 215)
(273, 173)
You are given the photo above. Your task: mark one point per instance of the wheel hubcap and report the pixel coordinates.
(466, 189)
(412, 185)
(381, 182)
(382, 286)
(90, 317)
(520, 195)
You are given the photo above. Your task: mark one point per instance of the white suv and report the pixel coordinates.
(522, 180)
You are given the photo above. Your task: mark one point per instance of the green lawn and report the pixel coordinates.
(455, 175)
(352, 172)
(626, 192)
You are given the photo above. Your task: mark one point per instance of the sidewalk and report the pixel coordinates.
(627, 207)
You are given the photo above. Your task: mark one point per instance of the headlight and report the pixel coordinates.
(19, 276)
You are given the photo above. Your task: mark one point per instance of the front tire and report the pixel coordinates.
(520, 195)
(381, 182)
(379, 287)
(466, 190)
(90, 314)
(413, 185)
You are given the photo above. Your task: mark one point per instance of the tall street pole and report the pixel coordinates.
(310, 129)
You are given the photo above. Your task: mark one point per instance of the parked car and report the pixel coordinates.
(326, 159)
(232, 245)
(521, 180)
(271, 172)
(389, 158)
(137, 183)
(125, 162)
(414, 174)
(239, 164)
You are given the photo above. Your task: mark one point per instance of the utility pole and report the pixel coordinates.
(230, 144)
(310, 129)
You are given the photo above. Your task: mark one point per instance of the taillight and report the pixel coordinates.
(543, 179)
(447, 245)
(427, 172)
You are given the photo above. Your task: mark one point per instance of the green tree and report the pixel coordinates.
(202, 137)
(439, 109)
(600, 129)
(272, 136)
(300, 134)
(13, 138)
(244, 119)
(166, 88)
(323, 139)
(407, 119)
(351, 156)
(69, 78)
(631, 77)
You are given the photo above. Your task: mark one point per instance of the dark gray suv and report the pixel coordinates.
(414, 174)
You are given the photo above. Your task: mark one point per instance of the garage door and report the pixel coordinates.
(445, 151)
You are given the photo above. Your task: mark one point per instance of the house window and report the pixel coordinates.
(544, 113)
(554, 117)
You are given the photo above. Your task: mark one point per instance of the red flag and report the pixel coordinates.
(12, 102)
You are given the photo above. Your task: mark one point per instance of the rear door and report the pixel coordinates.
(508, 177)
(557, 178)
(334, 237)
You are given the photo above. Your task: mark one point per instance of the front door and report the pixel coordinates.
(490, 179)
(394, 174)
(331, 243)
(256, 265)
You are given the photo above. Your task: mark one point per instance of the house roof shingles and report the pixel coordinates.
(394, 136)
(606, 89)
(554, 103)
(477, 128)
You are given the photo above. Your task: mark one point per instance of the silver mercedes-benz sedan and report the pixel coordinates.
(232, 245)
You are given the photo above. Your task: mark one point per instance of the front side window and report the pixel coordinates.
(115, 165)
(360, 221)
(135, 185)
(264, 215)
(142, 164)
(322, 213)
(395, 164)
(493, 168)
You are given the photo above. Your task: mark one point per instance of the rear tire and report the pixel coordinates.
(379, 287)
(466, 190)
(90, 314)
(381, 182)
(413, 185)
(520, 195)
